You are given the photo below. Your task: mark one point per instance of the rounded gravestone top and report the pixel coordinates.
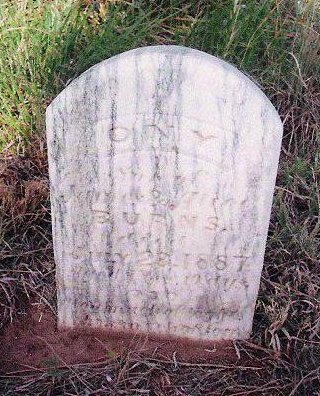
(194, 55)
(162, 164)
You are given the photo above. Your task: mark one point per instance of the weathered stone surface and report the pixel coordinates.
(162, 165)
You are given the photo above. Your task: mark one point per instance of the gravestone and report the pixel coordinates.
(162, 165)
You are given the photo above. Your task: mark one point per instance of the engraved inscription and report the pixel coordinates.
(162, 165)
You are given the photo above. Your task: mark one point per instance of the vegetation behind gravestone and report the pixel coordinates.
(43, 46)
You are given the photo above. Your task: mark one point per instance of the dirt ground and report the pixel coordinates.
(281, 358)
(33, 341)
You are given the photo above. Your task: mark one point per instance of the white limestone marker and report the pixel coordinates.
(162, 165)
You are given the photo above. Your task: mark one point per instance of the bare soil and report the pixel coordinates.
(33, 341)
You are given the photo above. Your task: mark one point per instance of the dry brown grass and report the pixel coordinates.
(284, 351)
(26, 256)
(285, 347)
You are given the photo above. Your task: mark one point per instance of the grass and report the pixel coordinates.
(44, 45)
